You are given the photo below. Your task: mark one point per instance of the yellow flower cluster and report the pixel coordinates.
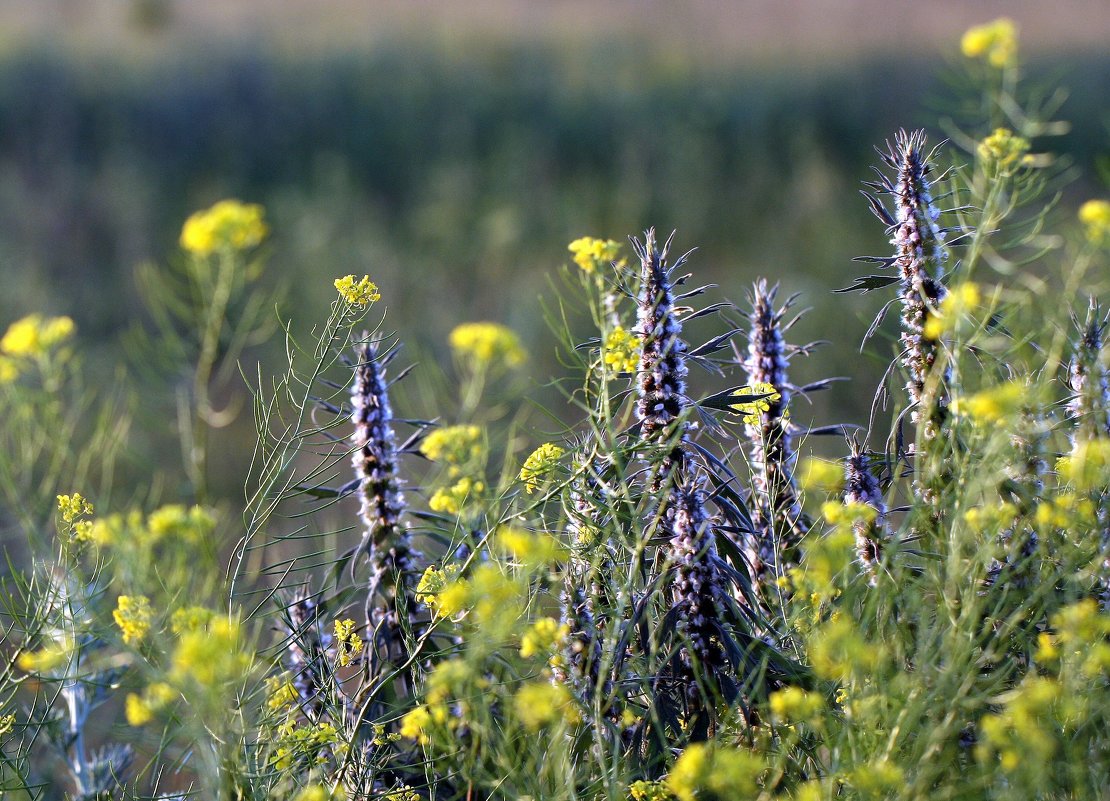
(591, 254)
(994, 405)
(1066, 510)
(318, 792)
(837, 650)
(362, 292)
(877, 779)
(141, 709)
(539, 704)
(461, 448)
(753, 410)
(453, 499)
(190, 618)
(348, 644)
(621, 351)
(996, 42)
(47, 658)
(228, 225)
(529, 549)
(542, 637)
(133, 615)
(432, 583)
(820, 475)
(539, 464)
(31, 337)
(1026, 727)
(961, 301)
(1079, 637)
(74, 506)
(1095, 217)
(485, 344)
(649, 791)
(1003, 150)
(174, 521)
(1087, 467)
(795, 705)
(724, 772)
(306, 745)
(280, 693)
(992, 519)
(493, 598)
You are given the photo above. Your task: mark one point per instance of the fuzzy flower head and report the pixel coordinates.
(35, 335)
(228, 225)
(591, 254)
(481, 345)
(994, 42)
(357, 293)
(133, 615)
(1095, 217)
(539, 465)
(621, 351)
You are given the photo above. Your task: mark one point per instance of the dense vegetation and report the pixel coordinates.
(652, 591)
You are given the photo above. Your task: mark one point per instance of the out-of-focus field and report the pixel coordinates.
(451, 150)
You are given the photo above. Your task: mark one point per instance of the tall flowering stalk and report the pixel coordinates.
(919, 257)
(386, 541)
(661, 378)
(306, 645)
(779, 523)
(861, 487)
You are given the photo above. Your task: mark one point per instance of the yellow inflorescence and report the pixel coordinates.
(133, 615)
(1004, 150)
(539, 704)
(454, 498)
(530, 549)
(621, 352)
(996, 42)
(793, 704)
(724, 772)
(590, 254)
(483, 344)
(993, 405)
(433, 582)
(821, 475)
(362, 292)
(1095, 217)
(460, 448)
(539, 465)
(35, 335)
(542, 637)
(348, 644)
(959, 302)
(1087, 467)
(74, 506)
(228, 225)
(753, 410)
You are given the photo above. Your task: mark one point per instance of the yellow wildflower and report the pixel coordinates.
(227, 225)
(9, 370)
(357, 293)
(1095, 217)
(190, 618)
(531, 549)
(540, 463)
(877, 779)
(959, 302)
(621, 351)
(34, 335)
(994, 41)
(821, 475)
(1003, 150)
(724, 772)
(280, 693)
(210, 657)
(793, 704)
(649, 791)
(753, 410)
(348, 644)
(46, 659)
(993, 405)
(542, 637)
(133, 615)
(137, 710)
(541, 703)
(590, 253)
(432, 583)
(484, 344)
(416, 723)
(453, 499)
(1025, 728)
(74, 506)
(192, 524)
(838, 650)
(496, 598)
(1088, 466)
(461, 448)
(7, 723)
(318, 792)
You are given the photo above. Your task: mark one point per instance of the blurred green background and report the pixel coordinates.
(452, 150)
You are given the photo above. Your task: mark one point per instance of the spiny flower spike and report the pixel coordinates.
(661, 378)
(307, 642)
(386, 540)
(778, 521)
(919, 257)
(1088, 379)
(861, 487)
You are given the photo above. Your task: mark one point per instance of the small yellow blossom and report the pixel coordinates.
(1095, 217)
(362, 292)
(35, 335)
(590, 254)
(416, 725)
(453, 499)
(192, 524)
(348, 644)
(994, 41)
(994, 405)
(877, 779)
(318, 792)
(793, 704)
(753, 410)
(46, 659)
(992, 519)
(1087, 467)
(621, 352)
(210, 657)
(820, 475)
(837, 650)
(281, 694)
(483, 344)
(432, 583)
(649, 791)
(461, 448)
(724, 772)
(74, 506)
(1025, 729)
(542, 637)
(227, 225)
(539, 464)
(137, 710)
(7, 723)
(190, 618)
(531, 549)
(1064, 511)
(1003, 150)
(1047, 651)
(9, 370)
(541, 703)
(958, 303)
(133, 615)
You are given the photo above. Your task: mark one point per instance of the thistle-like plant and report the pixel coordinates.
(861, 487)
(1089, 379)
